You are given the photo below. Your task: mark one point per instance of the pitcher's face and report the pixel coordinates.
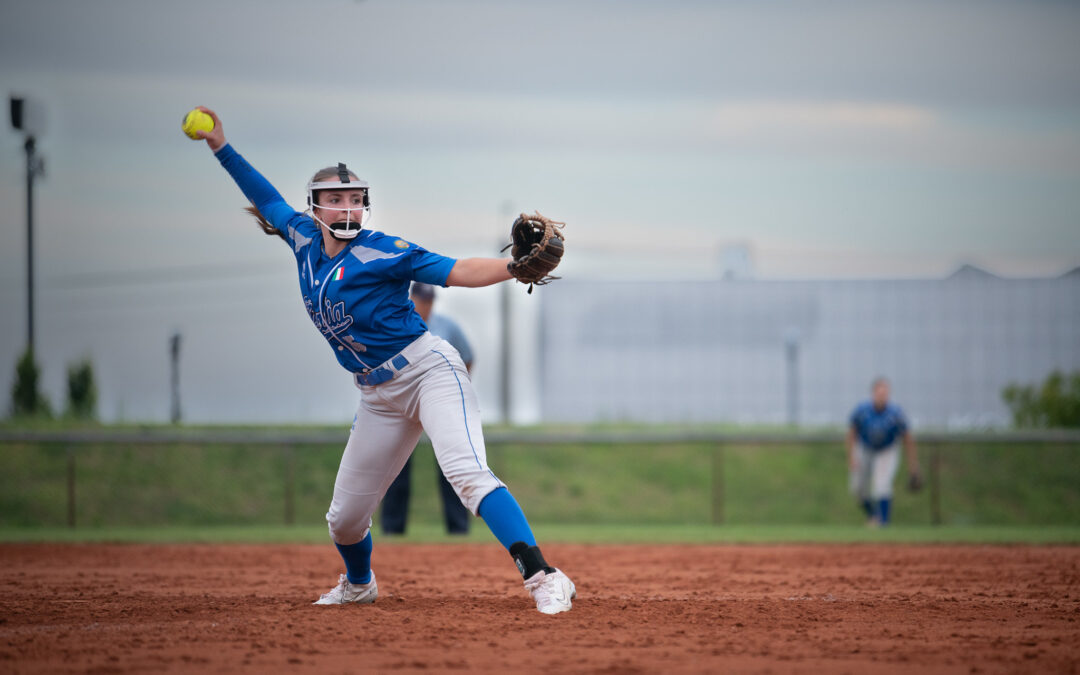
(339, 206)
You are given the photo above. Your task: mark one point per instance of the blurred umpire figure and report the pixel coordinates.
(395, 506)
(873, 452)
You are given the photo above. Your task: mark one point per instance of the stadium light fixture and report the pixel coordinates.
(28, 116)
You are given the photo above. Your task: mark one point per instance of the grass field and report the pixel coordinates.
(586, 534)
(635, 491)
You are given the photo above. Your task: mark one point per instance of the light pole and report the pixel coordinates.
(26, 117)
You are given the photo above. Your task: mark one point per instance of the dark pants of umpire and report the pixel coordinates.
(395, 506)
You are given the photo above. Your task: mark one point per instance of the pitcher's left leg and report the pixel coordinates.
(450, 415)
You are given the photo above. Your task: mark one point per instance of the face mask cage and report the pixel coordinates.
(355, 216)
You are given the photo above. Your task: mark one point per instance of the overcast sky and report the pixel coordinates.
(831, 139)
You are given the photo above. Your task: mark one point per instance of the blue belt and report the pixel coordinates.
(370, 378)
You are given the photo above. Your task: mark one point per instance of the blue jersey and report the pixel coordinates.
(359, 299)
(878, 429)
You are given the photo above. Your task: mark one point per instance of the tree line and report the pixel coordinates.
(28, 401)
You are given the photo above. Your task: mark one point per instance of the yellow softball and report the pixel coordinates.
(197, 120)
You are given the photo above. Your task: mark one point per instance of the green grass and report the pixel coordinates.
(580, 534)
(673, 483)
(655, 488)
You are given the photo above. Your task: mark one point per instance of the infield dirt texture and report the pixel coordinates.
(450, 607)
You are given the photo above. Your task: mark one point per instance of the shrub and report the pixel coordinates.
(26, 397)
(82, 392)
(1056, 403)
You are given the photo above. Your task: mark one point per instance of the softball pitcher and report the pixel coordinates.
(874, 454)
(355, 284)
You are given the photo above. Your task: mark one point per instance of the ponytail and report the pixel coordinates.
(264, 224)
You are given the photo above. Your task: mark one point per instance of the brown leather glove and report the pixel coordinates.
(538, 248)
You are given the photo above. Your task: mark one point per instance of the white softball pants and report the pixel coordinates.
(874, 472)
(432, 393)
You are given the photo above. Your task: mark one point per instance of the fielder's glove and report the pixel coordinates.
(915, 482)
(537, 249)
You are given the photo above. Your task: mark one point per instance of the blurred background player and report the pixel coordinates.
(395, 507)
(874, 452)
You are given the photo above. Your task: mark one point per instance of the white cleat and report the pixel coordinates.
(346, 591)
(552, 591)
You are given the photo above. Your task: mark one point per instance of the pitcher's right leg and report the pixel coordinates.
(380, 443)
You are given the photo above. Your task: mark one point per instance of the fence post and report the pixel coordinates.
(935, 485)
(718, 485)
(71, 486)
(290, 484)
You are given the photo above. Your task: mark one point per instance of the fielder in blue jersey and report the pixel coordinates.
(873, 440)
(355, 284)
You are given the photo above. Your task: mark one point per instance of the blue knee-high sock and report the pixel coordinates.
(505, 518)
(883, 510)
(357, 559)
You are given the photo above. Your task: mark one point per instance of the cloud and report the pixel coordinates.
(739, 117)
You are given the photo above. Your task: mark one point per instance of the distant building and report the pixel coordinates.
(721, 351)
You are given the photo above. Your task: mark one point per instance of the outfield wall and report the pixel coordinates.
(775, 352)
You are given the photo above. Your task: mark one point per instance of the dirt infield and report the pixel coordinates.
(775, 609)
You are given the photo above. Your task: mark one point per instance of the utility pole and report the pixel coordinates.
(26, 117)
(174, 350)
